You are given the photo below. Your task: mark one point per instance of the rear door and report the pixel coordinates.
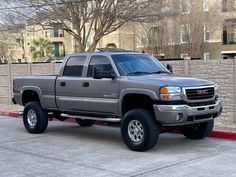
(69, 89)
(100, 95)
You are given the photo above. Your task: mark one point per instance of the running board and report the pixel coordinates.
(92, 118)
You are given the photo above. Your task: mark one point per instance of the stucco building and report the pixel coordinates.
(196, 28)
(203, 29)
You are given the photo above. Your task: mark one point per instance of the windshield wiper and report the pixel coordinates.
(138, 72)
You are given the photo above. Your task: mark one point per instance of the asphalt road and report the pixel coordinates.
(66, 149)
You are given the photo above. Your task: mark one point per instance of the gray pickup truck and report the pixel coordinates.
(131, 89)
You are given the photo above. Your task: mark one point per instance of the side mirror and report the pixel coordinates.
(169, 67)
(98, 73)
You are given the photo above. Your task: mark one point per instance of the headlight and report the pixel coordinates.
(217, 90)
(171, 93)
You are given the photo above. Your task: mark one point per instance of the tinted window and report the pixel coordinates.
(74, 66)
(129, 64)
(102, 62)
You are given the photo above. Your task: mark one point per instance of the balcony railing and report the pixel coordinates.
(229, 38)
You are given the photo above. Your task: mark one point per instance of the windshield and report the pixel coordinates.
(137, 64)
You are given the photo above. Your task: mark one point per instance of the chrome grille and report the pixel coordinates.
(200, 93)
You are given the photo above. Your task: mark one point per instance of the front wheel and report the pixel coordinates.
(198, 131)
(139, 130)
(35, 119)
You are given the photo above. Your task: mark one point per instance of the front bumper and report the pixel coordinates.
(171, 115)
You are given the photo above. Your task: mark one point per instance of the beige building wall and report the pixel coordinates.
(10, 48)
(122, 38)
(15, 50)
(171, 45)
(133, 35)
(34, 32)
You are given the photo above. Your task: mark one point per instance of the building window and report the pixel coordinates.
(49, 33)
(185, 33)
(229, 32)
(55, 32)
(206, 30)
(60, 33)
(205, 5)
(228, 5)
(154, 37)
(206, 56)
(142, 42)
(185, 6)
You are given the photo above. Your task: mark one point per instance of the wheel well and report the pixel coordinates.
(28, 96)
(134, 101)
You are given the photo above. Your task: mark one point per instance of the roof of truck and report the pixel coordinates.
(106, 51)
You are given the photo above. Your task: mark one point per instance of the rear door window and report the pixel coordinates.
(74, 66)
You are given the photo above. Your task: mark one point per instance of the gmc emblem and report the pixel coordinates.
(202, 92)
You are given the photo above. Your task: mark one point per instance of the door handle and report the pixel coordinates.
(62, 84)
(85, 84)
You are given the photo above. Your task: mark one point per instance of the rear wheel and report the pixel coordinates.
(85, 122)
(139, 130)
(35, 119)
(198, 131)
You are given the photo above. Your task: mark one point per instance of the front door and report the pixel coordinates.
(100, 95)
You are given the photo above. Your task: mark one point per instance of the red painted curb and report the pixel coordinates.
(220, 134)
(9, 113)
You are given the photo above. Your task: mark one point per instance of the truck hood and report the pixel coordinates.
(170, 80)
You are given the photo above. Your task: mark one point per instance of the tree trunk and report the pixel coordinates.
(93, 46)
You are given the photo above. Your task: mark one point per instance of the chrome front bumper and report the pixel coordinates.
(171, 115)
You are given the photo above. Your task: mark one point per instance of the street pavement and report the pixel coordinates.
(66, 149)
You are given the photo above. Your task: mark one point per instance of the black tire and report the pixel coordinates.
(34, 109)
(148, 134)
(85, 122)
(198, 131)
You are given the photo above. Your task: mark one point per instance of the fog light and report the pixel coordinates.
(179, 117)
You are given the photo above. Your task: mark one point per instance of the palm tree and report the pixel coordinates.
(41, 48)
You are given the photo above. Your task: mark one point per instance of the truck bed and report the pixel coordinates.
(45, 85)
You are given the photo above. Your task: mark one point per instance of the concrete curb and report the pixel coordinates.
(220, 134)
(9, 113)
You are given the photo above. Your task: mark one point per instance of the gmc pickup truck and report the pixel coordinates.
(129, 88)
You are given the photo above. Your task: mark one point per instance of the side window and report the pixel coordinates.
(74, 66)
(101, 61)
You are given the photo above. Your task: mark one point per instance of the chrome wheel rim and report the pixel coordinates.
(136, 131)
(32, 118)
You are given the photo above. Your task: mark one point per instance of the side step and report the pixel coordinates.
(93, 118)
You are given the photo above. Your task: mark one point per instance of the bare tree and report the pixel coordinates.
(156, 32)
(80, 18)
(3, 45)
(186, 29)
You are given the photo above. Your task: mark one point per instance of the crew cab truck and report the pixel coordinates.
(130, 88)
